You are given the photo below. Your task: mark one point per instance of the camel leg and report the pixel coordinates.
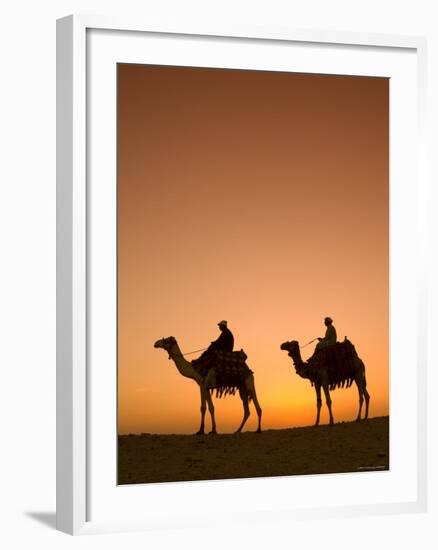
(203, 409)
(361, 382)
(360, 390)
(251, 391)
(244, 398)
(318, 403)
(211, 409)
(367, 401)
(329, 402)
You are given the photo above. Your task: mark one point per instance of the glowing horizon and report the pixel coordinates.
(257, 197)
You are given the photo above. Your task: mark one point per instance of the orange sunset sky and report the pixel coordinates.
(256, 197)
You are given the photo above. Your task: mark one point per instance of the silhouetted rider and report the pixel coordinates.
(330, 337)
(225, 342)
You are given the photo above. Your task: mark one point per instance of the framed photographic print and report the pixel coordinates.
(241, 275)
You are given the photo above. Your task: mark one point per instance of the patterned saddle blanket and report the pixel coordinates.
(218, 357)
(230, 367)
(338, 354)
(339, 359)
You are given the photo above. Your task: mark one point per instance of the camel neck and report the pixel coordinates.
(298, 362)
(184, 367)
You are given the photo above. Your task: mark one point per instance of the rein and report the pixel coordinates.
(196, 351)
(308, 343)
(187, 353)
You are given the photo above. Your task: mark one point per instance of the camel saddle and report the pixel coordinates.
(230, 366)
(227, 359)
(339, 359)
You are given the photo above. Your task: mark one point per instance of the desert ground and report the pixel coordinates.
(344, 447)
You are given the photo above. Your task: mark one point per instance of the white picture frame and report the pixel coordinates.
(76, 394)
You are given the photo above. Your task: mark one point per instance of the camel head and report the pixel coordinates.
(291, 347)
(166, 343)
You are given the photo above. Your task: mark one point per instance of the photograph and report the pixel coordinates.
(252, 274)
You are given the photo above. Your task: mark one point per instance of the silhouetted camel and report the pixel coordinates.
(331, 376)
(244, 379)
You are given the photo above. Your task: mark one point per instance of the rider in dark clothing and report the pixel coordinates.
(225, 342)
